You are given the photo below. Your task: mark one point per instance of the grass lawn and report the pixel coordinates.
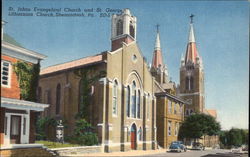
(51, 144)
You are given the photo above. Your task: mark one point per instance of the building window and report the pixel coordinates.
(5, 73)
(180, 109)
(187, 112)
(115, 89)
(191, 111)
(24, 126)
(176, 129)
(132, 30)
(191, 83)
(187, 83)
(169, 106)
(175, 108)
(134, 100)
(148, 104)
(58, 98)
(5, 125)
(119, 27)
(128, 101)
(169, 128)
(138, 104)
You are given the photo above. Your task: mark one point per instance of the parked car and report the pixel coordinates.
(177, 147)
(198, 146)
(183, 147)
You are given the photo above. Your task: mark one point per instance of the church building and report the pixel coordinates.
(191, 87)
(122, 105)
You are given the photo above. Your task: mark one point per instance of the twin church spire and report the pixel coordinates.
(191, 55)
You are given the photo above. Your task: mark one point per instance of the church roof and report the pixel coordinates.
(7, 38)
(212, 113)
(73, 64)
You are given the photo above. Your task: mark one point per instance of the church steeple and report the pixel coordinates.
(192, 54)
(192, 76)
(157, 61)
(123, 29)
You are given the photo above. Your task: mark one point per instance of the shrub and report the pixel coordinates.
(83, 134)
(41, 125)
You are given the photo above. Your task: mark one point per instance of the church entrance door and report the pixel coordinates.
(133, 137)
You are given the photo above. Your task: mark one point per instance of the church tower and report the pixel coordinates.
(123, 29)
(192, 76)
(158, 69)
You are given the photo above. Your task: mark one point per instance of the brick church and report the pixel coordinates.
(191, 88)
(132, 105)
(123, 104)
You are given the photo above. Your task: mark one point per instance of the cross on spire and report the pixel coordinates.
(191, 18)
(157, 27)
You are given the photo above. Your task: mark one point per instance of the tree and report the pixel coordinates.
(234, 137)
(197, 125)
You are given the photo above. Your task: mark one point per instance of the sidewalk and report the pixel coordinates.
(128, 153)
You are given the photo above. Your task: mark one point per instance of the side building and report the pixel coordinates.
(122, 105)
(17, 126)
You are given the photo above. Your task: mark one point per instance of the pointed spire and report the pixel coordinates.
(191, 34)
(157, 41)
(191, 52)
(157, 56)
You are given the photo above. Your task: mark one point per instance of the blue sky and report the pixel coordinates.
(221, 30)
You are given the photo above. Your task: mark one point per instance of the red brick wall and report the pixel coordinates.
(14, 90)
(116, 44)
(32, 127)
(2, 116)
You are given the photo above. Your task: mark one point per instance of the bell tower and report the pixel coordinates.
(158, 69)
(123, 29)
(192, 76)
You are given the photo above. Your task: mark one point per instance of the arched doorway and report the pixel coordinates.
(133, 136)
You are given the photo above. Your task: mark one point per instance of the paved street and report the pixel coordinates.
(164, 153)
(197, 153)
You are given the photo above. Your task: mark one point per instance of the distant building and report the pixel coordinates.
(122, 103)
(17, 116)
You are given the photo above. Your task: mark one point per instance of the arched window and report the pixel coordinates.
(180, 109)
(176, 129)
(115, 89)
(58, 98)
(39, 94)
(187, 83)
(132, 30)
(134, 100)
(81, 96)
(138, 109)
(128, 101)
(191, 111)
(175, 108)
(119, 28)
(191, 83)
(169, 106)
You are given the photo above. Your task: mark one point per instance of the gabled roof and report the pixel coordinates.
(163, 94)
(73, 64)
(7, 38)
(212, 113)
